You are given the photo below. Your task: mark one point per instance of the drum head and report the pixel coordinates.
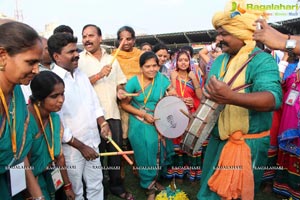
(170, 121)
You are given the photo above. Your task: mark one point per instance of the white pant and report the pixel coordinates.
(90, 171)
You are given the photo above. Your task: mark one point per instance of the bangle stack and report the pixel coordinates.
(68, 187)
(143, 116)
(103, 124)
(197, 87)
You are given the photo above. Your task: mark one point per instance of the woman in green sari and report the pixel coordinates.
(151, 152)
(20, 52)
(46, 153)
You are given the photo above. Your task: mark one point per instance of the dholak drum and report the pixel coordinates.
(200, 126)
(207, 115)
(171, 121)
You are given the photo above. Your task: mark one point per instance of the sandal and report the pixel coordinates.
(126, 195)
(151, 196)
(155, 189)
(159, 187)
(151, 193)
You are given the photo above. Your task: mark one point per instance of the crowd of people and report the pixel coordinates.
(61, 107)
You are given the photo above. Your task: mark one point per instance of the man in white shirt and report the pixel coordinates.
(107, 80)
(80, 114)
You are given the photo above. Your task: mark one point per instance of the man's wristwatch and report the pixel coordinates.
(290, 44)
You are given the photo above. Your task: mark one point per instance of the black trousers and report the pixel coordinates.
(113, 162)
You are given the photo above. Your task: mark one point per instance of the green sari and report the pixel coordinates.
(23, 139)
(151, 154)
(39, 155)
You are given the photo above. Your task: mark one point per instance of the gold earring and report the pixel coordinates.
(39, 104)
(2, 67)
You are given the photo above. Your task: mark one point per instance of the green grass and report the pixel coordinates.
(190, 188)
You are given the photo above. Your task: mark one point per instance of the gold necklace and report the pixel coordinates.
(146, 97)
(182, 89)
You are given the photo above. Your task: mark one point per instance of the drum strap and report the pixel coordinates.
(230, 82)
(241, 87)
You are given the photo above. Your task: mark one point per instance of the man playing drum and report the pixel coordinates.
(239, 142)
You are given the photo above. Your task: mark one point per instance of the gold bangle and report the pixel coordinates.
(170, 88)
(103, 124)
(197, 87)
